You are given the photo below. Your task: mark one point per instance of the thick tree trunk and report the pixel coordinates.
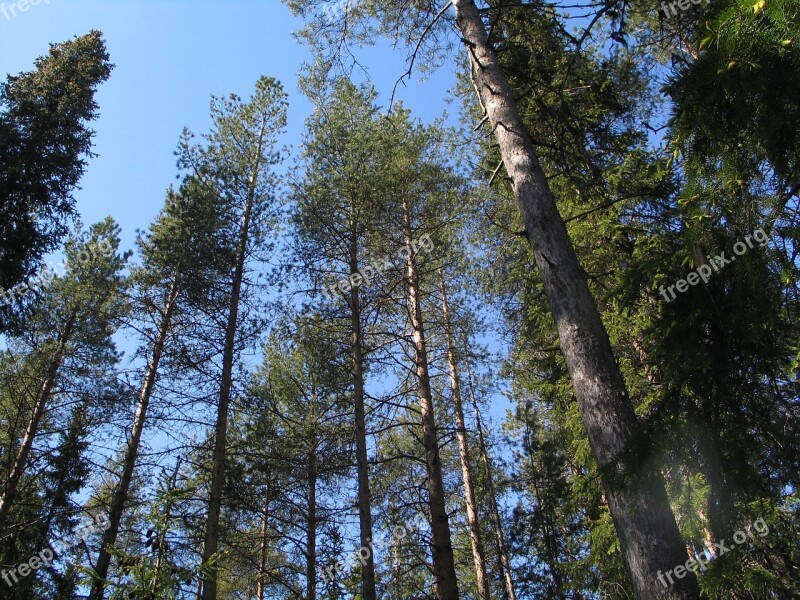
(211, 538)
(132, 448)
(445, 584)
(509, 592)
(39, 408)
(311, 534)
(478, 554)
(364, 498)
(649, 538)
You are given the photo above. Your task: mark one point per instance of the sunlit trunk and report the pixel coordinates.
(478, 555)
(502, 550)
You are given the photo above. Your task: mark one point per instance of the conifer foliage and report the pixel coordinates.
(538, 354)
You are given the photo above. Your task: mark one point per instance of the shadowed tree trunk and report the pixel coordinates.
(311, 537)
(364, 499)
(211, 539)
(446, 584)
(39, 408)
(649, 538)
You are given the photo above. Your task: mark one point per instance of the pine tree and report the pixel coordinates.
(335, 209)
(68, 333)
(649, 537)
(178, 262)
(235, 166)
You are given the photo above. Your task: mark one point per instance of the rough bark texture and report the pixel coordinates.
(478, 555)
(648, 535)
(444, 571)
(132, 449)
(211, 538)
(509, 593)
(364, 498)
(40, 406)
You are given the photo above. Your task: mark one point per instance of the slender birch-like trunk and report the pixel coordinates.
(446, 584)
(132, 448)
(500, 539)
(478, 554)
(649, 537)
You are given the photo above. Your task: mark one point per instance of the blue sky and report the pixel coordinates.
(170, 56)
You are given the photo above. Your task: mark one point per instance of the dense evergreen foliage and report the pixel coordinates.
(550, 353)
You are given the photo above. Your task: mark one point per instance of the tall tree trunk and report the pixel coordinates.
(261, 583)
(132, 447)
(444, 570)
(502, 550)
(311, 534)
(364, 497)
(211, 538)
(478, 555)
(39, 408)
(649, 538)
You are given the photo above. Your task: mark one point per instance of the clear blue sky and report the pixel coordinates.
(170, 56)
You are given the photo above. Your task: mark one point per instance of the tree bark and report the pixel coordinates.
(39, 408)
(362, 460)
(311, 534)
(509, 592)
(445, 584)
(478, 554)
(211, 538)
(649, 538)
(261, 583)
(132, 448)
